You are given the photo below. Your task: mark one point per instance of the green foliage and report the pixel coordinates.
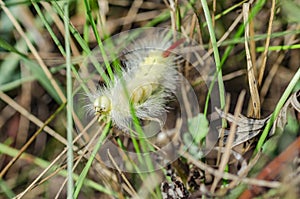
(198, 128)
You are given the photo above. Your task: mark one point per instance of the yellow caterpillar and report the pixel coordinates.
(148, 80)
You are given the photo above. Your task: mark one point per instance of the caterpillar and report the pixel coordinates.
(147, 81)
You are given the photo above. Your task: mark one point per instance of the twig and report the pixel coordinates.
(222, 174)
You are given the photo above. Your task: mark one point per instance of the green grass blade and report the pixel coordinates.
(216, 56)
(6, 189)
(295, 80)
(103, 53)
(10, 48)
(70, 158)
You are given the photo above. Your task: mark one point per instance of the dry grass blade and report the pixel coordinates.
(222, 174)
(131, 15)
(32, 138)
(31, 186)
(251, 74)
(234, 74)
(85, 153)
(245, 171)
(267, 83)
(32, 118)
(130, 189)
(265, 53)
(230, 139)
(225, 35)
(53, 163)
(252, 46)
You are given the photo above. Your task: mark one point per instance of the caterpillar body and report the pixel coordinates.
(148, 79)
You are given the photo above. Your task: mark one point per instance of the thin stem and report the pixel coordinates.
(216, 56)
(70, 103)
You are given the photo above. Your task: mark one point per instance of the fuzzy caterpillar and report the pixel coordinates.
(148, 79)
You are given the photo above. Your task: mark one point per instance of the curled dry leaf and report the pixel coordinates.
(293, 103)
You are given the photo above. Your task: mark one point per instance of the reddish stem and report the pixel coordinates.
(167, 52)
(272, 170)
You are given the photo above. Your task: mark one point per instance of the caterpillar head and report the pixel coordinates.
(102, 105)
